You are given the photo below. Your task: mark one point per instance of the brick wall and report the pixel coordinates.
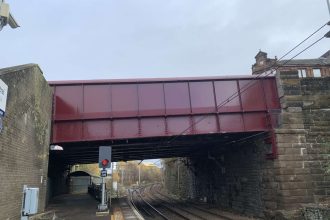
(24, 141)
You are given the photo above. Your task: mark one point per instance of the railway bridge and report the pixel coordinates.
(199, 119)
(248, 143)
(251, 144)
(160, 118)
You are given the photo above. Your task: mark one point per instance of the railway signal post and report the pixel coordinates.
(104, 163)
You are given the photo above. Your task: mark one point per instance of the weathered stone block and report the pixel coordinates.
(291, 157)
(285, 75)
(294, 192)
(293, 109)
(302, 171)
(291, 90)
(290, 131)
(317, 170)
(297, 201)
(270, 205)
(292, 178)
(292, 126)
(289, 138)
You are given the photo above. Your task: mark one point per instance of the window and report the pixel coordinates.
(302, 73)
(317, 72)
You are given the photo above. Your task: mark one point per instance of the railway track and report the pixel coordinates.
(193, 210)
(152, 204)
(147, 210)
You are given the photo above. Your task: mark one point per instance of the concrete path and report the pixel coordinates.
(75, 207)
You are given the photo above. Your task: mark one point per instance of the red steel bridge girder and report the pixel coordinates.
(126, 109)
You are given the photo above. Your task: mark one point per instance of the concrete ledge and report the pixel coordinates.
(102, 213)
(44, 216)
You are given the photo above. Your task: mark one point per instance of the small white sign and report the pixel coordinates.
(3, 97)
(103, 173)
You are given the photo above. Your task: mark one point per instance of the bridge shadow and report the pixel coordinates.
(75, 207)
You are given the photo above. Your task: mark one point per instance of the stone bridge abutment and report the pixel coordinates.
(240, 177)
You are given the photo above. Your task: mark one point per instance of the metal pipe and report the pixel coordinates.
(328, 3)
(103, 207)
(103, 192)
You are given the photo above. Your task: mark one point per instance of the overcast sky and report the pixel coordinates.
(105, 39)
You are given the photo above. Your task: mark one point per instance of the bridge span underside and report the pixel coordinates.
(159, 118)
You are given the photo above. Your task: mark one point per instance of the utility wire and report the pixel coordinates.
(242, 90)
(254, 135)
(245, 138)
(305, 40)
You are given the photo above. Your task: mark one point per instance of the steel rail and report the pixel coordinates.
(130, 199)
(140, 207)
(152, 207)
(193, 205)
(164, 202)
(151, 191)
(138, 193)
(173, 211)
(171, 207)
(133, 206)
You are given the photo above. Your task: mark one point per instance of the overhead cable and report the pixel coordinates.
(248, 85)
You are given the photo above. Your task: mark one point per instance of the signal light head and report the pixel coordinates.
(105, 162)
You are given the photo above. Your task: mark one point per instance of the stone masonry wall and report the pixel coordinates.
(232, 178)
(242, 179)
(179, 178)
(238, 178)
(303, 140)
(24, 141)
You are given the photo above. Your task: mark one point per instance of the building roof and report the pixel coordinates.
(261, 53)
(305, 62)
(326, 55)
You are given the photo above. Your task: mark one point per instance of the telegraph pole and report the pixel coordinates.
(122, 176)
(139, 174)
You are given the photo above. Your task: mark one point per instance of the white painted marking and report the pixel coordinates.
(302, 151)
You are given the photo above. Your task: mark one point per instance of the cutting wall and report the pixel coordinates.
(24, 141)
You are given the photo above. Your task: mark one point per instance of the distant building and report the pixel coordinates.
(319, 67)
